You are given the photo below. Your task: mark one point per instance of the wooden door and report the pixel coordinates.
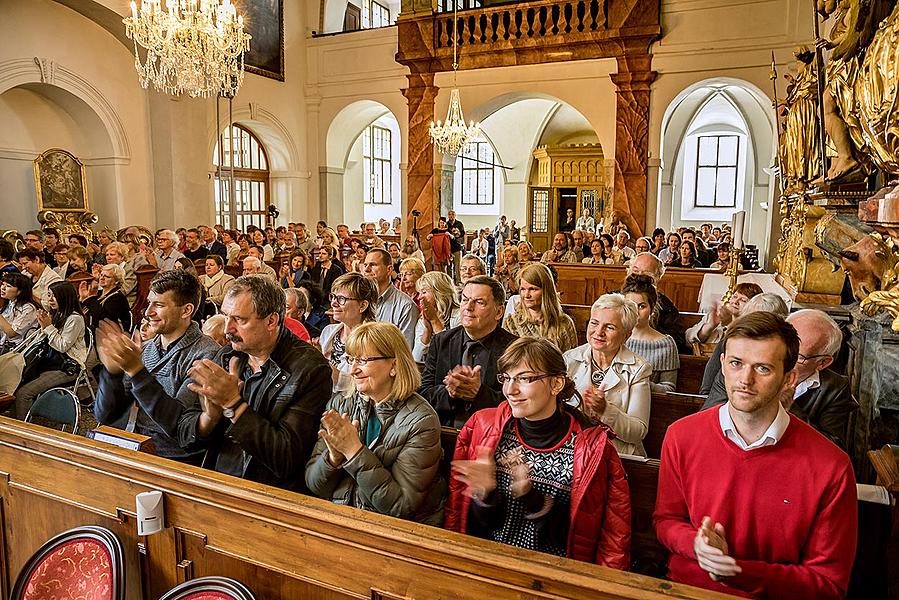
(352, 18)
(540, 217)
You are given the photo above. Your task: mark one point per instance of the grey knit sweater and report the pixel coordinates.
(662, 355)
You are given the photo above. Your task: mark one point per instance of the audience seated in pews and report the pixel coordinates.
(262, 397)
(612, 381)
(533, 473)
(658, 349)
(18, 315)
(393, 306)
(667, 319)
(753, 501)
(460, 367)
(561, 250)
(711, 329)
(539, 313)
(439, 310)
(819, 396)
(146, 389)
(379, 445)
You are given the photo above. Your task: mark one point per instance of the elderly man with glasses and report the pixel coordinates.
(166, 250)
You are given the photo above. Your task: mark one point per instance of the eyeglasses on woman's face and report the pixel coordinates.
(504, 378)
(340, 300)
(358, 360)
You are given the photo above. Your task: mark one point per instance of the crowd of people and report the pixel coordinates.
(333, 376)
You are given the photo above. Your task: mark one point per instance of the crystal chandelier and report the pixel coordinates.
(193, 47)
(453, 135)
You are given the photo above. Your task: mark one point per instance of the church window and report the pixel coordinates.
(250, 200)
(377, 162)
(477, 165)
(374, 14)
(716, 171)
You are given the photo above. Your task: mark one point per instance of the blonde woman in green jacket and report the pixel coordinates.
(379, 445)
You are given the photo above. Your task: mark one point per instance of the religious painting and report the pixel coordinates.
(59, 181)
(264, 20)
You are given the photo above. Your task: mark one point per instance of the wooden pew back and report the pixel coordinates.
(666, 409)
(282, 545)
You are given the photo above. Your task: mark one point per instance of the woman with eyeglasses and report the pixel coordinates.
(379, 444)
(539, 314)
(326, 270)
(439, 310)
(534, 473)
(18, 315)
(67, 350)
(353, 302)
(612, 381)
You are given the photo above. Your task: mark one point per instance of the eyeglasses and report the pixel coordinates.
(479, 302)
(340, 300)
(802, 358)
(520, 379)
(356, 360)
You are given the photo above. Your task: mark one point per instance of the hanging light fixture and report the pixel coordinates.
(453, 135)
(193, 47)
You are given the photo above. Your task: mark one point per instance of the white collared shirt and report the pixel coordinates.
(812, 382)
(771, 436)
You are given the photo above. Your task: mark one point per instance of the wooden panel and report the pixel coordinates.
(583, 284)
(666, 409)
(284, 544)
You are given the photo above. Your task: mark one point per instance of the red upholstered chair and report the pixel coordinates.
(86, 563)
(209, 588)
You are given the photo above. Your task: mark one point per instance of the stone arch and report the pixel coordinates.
(754, 110)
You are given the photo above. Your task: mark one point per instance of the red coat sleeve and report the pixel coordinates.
(457, 503)
(671, 518)
(613, 548)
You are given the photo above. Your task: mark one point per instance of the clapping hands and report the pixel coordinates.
(711, 551)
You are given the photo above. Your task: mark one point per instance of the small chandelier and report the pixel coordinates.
(194, 47)
(453, 135)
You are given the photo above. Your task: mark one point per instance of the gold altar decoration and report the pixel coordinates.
(68, 222)
(61, 184)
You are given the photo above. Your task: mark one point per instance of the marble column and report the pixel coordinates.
(421, 191)
(633, 81)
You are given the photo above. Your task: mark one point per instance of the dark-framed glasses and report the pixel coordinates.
(503, 378)
(358, 360)
(340, 300)
(802, 358)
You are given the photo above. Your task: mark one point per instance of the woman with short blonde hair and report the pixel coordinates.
(439, 310)
(539, 314)
(379, 446)
(411, 270)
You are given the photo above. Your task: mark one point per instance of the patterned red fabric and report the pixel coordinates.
(80, 569)
(208, 596)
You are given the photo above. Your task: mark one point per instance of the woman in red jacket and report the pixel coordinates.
(532, 473)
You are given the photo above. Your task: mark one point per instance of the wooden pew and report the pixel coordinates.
(582, 284)
(666, 409)
(145, 275)
(282, 545)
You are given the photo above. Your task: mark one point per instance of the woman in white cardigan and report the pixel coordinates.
(612, 381)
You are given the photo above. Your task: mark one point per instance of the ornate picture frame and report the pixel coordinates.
(60, 182)
(264, 20)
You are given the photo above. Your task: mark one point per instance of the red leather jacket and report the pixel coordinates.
(600, 529)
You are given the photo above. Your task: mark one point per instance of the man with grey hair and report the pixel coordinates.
(253, 265)
(471, 266)
(668, 317)
(166, 250)
(820, 396)
(262, 396)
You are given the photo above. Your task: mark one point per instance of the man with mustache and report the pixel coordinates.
(147, 388)
(752, 500)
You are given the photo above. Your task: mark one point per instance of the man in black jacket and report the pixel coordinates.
(211, 242)
(262, 397)
(820, 397)
(457, 242)
(145, 390)
(460, 369)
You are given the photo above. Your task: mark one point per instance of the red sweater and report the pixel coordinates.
(789, 510)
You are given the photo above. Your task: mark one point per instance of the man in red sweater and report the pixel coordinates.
(752, 501)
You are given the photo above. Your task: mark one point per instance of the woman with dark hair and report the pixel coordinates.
(244, 243)
(379, 445)
(659, 350)
(216, 281)
(687, 256)
(670, 253)
(327, 269)
(295, 270)
(609, 256)
(66, 350)
(7, 253)
(18, 315)
(353, 302)
(314, 318)
(533, 473)
(658, 240)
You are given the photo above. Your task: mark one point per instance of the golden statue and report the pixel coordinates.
(800, 146)
(855, 22)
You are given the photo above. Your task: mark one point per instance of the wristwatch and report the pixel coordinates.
(228, 413)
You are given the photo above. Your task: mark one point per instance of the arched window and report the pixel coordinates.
(377, 164)
(251, 180)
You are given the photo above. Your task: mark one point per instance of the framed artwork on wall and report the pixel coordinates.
(264, 20)
(60, 182)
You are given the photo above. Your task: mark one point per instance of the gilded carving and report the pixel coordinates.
(877, 95)
(800, 147)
